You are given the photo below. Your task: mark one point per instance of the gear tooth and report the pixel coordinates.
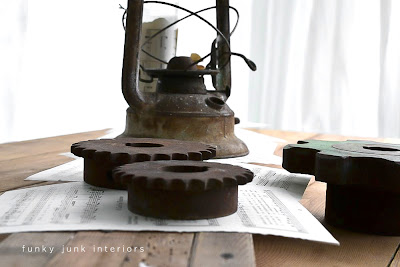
(213, 151)
(229, 181)
(102, 156)
(161, 157)
(177, 184)
(196, 185)
(76, 149)
(241, 179)
(121, 158)
(206, 154)
(88, 153)
(249, 175)
(123, 178)
(141, 157)
(89, 142)
(140, 181)
(214, 183)
(127, 178)
(179, 156)
(130, 158)
(157, 183)
(195, 156)
(117, 173)
(75, 145)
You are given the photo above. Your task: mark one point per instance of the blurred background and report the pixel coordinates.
(323, 66)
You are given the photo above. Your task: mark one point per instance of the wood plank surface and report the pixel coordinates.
(21, 159)
(396, 258)
(14, 171)
(124, 249)
(14, 250)
(45, 145)
(356, 249)
(222, 249)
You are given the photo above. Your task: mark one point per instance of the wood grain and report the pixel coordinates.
(288, 137)
(159, 249)
(45, 145)
(22, 159)
(14, 171)
(19, 160)
(222, 249)
(396, 258)
(356, 249)
(13, 254)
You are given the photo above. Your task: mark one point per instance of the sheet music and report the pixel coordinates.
(268, 205)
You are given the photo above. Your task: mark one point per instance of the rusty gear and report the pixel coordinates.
(103, 155)
(363, 185)
(182, 189)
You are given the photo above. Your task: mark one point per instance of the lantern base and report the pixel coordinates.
(217, 131)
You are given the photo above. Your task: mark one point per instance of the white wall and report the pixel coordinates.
(70, 73)
(327, 66)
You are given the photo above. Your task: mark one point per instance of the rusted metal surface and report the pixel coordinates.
(363, 191)
(130, 69)
(101, 156)
(186, 111)
(180, 77)
(216, 131)
(223, 79)
(182, 190)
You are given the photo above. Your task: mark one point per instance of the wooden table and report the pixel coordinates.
(21, 159)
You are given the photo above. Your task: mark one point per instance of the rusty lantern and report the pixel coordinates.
(182, 108)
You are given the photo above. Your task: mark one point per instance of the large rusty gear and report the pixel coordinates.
(103, 155)
(183, 190)
(363, 185)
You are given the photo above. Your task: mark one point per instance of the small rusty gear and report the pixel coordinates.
(103, 155)
(183, 190)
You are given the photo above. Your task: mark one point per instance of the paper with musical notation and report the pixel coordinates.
(268, 205)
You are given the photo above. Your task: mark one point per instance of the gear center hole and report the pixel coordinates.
(144, 145)
(378, 148)
(185, 168)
